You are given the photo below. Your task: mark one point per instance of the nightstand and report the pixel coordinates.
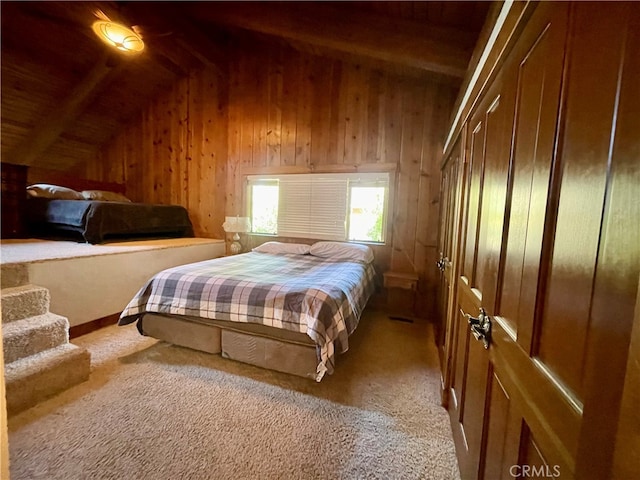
(406, 281)
(401, 281)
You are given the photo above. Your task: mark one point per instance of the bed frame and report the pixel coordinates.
(42, 175)
(255, 344)
(272, 309)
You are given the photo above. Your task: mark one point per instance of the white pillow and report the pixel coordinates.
(45, 190)
(103, 196)
(280, 247)
(342, 251)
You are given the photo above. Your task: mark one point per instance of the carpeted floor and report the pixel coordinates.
(155, 411)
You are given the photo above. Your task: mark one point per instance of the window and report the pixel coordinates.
(366, 212)
(332, 206)
(264, 206)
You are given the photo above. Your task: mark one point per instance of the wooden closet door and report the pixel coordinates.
(517, 439)
(449, 220)
(551, 397)
(485, 176)
(511, 147)
(601, 154)
(553, 260)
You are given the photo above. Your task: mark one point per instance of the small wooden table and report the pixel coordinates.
(403, 281)
(406, 281)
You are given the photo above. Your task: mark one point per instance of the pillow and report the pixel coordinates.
(45, 190)
(342, 251)
(279, 248)
(103, 196)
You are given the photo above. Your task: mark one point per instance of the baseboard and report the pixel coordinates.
(84, 328)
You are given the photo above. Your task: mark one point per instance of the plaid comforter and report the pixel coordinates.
(320, 297)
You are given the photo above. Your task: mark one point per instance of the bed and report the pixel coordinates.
(95, 221)
(291, 312)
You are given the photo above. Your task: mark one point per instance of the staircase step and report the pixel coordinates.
(32, 335)
(33, 379)
(24, 302)
(14, 275)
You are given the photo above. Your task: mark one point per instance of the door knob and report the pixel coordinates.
(481, 327)
(442, 263)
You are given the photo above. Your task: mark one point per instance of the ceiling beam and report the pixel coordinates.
(180, 38)
(49, 128)
(190, 37)
(397, 41)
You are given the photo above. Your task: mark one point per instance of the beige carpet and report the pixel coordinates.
(155, 411)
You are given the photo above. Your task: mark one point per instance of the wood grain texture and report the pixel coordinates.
(57, 108)
(483, 75)
(282, 109)
(534, 125)
(617, 270)
(627, 450)
(468, 413)
(336, 113)
(175, 152)
(500, 412)
(447, 252)
(49, 127)
(442, 50)
(626, 462)
(498, 112)
(563, 362)
(473, 196)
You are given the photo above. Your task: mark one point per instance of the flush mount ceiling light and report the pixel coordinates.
(118, 36)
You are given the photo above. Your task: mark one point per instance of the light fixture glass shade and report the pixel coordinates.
(118, 36)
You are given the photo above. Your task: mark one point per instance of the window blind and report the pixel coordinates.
(316, 205)
(313, 206)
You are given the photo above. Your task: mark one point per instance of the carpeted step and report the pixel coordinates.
(32, 335)
(24, 302)
(33, 379)
(14, 275)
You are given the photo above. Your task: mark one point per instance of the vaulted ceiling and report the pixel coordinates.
(64, 94)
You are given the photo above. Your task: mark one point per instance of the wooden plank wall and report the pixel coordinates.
(175, 152)
(287, 108)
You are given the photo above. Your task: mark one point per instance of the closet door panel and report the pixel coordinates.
(477, 284)
(472, 197)
(461, 348)
(450, 195)
(618, 260)
(581, 208)
(503, 432)
(470, 373)
(494, 193)
(539, 76)
(448, 200)
(548, 419)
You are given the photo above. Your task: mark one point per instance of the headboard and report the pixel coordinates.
(64, 179)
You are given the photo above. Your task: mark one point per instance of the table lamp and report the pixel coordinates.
(236, 225)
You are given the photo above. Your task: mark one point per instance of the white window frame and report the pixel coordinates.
(301, 222)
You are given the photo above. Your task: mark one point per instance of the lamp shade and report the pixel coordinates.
(118, 36)
(237, 224)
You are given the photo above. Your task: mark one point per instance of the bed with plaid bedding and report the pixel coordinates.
(323, 298)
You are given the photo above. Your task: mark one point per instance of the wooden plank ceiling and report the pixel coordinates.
(64, 95)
